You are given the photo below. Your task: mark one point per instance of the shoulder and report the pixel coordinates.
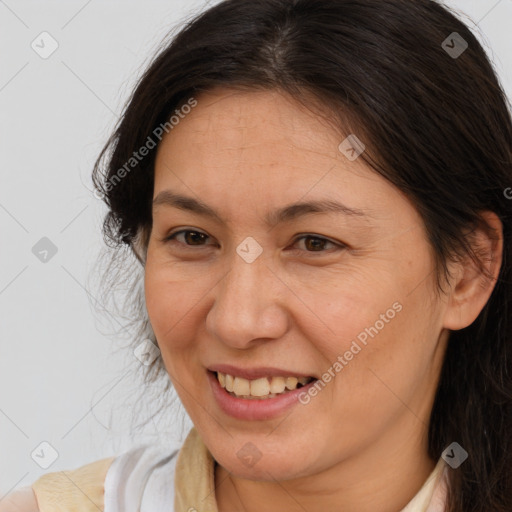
(62, 490)
(111, 484)
(21, 500)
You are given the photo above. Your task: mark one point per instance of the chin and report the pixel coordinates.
(252, 464)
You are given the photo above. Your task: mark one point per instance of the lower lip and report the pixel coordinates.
(254, 409)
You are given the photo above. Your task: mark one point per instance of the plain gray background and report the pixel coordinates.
(61, 376)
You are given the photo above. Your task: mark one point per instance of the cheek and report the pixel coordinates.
(368, 328)
(161, 303)
(386, 361)
(379, 309)
(172, 307)
(170, 303)
(357, 309)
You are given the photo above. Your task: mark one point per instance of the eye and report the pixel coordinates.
(191, 238)
(314, 243)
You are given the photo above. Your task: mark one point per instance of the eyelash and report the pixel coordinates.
(337, 245)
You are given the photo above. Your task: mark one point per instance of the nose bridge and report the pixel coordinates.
(245, 305)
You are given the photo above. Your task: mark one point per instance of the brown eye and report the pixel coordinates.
(191, 237)
(314, 243)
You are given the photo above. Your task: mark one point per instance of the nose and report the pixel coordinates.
(248, 305)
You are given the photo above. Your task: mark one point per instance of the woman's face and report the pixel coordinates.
(268, 288)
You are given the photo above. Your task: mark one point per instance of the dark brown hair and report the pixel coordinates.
(435, 125)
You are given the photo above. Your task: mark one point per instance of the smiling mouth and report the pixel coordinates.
(262, 388)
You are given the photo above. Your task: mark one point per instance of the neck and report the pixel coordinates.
(381, 479)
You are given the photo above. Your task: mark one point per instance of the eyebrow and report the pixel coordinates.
(280, 215)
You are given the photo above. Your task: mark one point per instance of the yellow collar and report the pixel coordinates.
(194, 480)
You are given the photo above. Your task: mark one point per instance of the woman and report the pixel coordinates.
(317, 194)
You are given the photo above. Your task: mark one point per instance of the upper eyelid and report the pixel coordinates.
(180, 231)
(168, 237)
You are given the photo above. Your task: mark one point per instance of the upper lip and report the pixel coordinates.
(255, 372)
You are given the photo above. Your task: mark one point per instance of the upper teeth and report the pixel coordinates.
(263, 387)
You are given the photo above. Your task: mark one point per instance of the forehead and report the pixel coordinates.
(248, 155)
(230, 133)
